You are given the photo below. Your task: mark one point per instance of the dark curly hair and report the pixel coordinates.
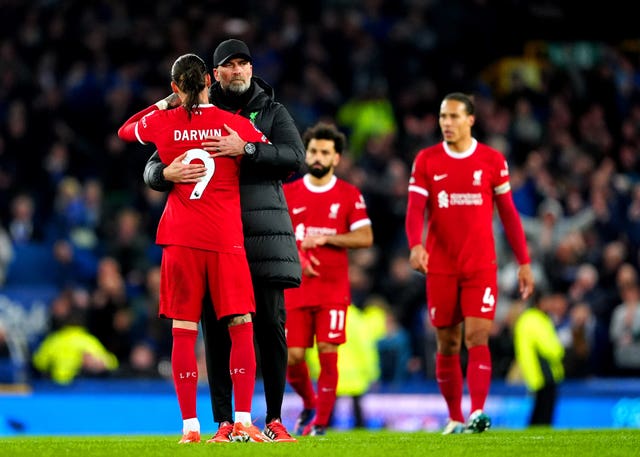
(325, 131)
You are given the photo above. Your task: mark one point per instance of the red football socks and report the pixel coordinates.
(300, 381)
(327, 384)
(185, 370)
(449, 378)
(242, 365)
(479, 376)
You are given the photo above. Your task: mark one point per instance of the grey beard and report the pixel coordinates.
(238, 89)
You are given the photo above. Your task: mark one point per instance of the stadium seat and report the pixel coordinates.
(32, 264)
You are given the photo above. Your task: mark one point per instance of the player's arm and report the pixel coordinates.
(128, 130)
(414, 227)
(361, 237)
(515, 235)
(161, 177)
(240, 132)
(282, 155)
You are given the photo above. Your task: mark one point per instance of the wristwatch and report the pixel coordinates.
(250, 149)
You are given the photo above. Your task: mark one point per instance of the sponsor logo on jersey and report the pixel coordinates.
(445, 199)
(316, 231)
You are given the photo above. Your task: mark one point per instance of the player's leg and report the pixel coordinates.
(242, 366)
(300, 334)
(184, 367)
(181, 291)
(478, 300)
(445, 316)
(449, 370)
(232, 295)
(330, 334)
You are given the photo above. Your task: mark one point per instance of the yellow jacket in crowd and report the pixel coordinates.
(538, 349)
(66, 352)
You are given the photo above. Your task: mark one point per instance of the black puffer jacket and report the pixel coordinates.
(269, 239)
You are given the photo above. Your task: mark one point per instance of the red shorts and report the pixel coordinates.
(186, 274)
(451, 298)
(325, 322)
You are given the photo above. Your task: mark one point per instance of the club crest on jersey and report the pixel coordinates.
(333, 210)
(477, 177)
(443, 199)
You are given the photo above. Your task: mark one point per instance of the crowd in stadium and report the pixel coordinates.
(566, 115)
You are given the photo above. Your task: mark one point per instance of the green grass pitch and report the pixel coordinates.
(360, 443)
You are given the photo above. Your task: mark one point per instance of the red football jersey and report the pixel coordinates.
(460, 190)
(337, 207)
(205, 215)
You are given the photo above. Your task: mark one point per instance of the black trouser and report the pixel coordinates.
(544, 405)
(271, 352)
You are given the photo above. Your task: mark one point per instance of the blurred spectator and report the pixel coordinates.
(148, 332)
(71, 351)
(395, 352)
(501, 340)
(526, 129)
(128, 245)
(6, 254)
(4, 342)
(585, 288)
(404, 290)
(7, 178)
(625, 330)
(366, 115)
(23, 226)
(508, 276)
(56, 164)
(110, 316)
(552, 226)
(142, 362)
(74, 266)
(361, 280)
(632, 230)
(561, 264)
(539, 354)
(578, 342)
